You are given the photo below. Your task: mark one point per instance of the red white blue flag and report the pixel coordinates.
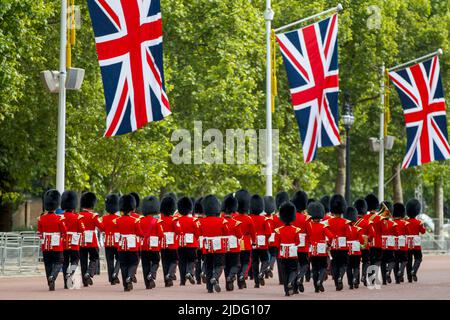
(310, 55)
(128, 37)
(422, 96)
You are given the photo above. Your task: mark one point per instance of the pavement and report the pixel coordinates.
(433, 283)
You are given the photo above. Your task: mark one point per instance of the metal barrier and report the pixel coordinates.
(19, 252)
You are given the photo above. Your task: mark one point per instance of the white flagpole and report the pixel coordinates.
(60, 158)
(438, 52)
(381, 155)
(268, 16)
(337, 8)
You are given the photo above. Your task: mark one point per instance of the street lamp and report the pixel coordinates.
(348, 119)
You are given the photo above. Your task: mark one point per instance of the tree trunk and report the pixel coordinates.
(439, 208)
(340, 174)
(397, 183)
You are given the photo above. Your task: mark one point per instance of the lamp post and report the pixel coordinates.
(348, 119)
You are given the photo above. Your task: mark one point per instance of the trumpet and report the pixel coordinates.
(384, 211)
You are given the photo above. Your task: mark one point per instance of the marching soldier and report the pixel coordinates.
(280, 198)
(169, 245)
(233, 236)
(75, 229)
(52, 231)
(260, 252)
(152, 236)
(112, 237)
(248, 235)
(213, 230)
(199, 266)
(89, 241)
(319, 235)
(129, 229)
(300, 200)
(367, 231)
(188, 240)
(388, 245)
(401, 252)
(354, 241)
(413, 231)
(274, 222)
(376, 221)
(287, 238)
(339, 248)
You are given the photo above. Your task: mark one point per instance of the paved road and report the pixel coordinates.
(434, 283)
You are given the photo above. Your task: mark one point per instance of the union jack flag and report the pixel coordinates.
(422, 97)
(310, 55)
(128, 36)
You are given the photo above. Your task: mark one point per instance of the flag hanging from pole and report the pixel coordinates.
(310, 56)
(128, 36)
(422, 97)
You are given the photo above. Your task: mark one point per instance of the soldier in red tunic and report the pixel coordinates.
(248, 235)
(339, 248)
(52, 231)
(89, 241)
(187, 240)
(287, 238)
(233, 237)
(151, 241)
(213, 229)
(199, 265)
(260, 253)
(388, 239)
(401, 252)
(367, 231)
(413, 231)
(319, 235)
(376, 221)
(112, 237)
(75, 228)
(129, 229)
(355, 241)
(274, 222)
(280, 198)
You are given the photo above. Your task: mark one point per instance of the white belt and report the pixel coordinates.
(73, 233)
(45, 234)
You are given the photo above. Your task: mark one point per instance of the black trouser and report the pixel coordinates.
(259, 256)
(150, 264)
(303, 265)
(129, 261)
(365, 260)
(92, 254)
(169, 259)
(52, 263)
(376, 256)
(232, 265)
(412, 268)
(71, 257)
(112, 262)
(319, 268)
(186, 257)
(289, 270)
(387, 264)
(339, 264)
(245, 261)
(214, 264)
(273, 254)
(401, 259)
(353, 269)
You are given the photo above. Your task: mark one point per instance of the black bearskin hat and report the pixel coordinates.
(137, 198)
(372, 202)
(243, 198)
(360, 206)
(198, 207)
(150, 205)
(281, 198)
(211, 206)
(351, 214)
(230, 204)
(256, 204)
(338, 205)
(399, 210)
(413, 208)
(310, 200)
(172, 195)
(287, 212)
(300, 200)
(112, 203)
(127, 203)
(52, 200)
(185, 206)
(88, 200)
(69, 200)
(269, 205)
(316, 210)
(168, 206)
(325, 201)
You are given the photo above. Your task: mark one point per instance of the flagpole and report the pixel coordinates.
(381, 155)
(268, 16)
(60, 157)
(438, 52)
(337, 8)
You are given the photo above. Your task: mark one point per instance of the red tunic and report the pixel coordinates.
(301, 220)
(248, 231)
(262, 231)
(340, 227)
(188, 231)
(130, 231)
(170, 240)
(52, 230)
(319, 235)
(388, 234)
(153, 233)
(400, 232)
(112, 235)
(233, 234)
(413, 231)
(366, 230)
(274, 222)
(213, 231)
(376, 221)
(75, 229)
(135, 215)
(355, 240)
(90, 220)
(287, 238)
